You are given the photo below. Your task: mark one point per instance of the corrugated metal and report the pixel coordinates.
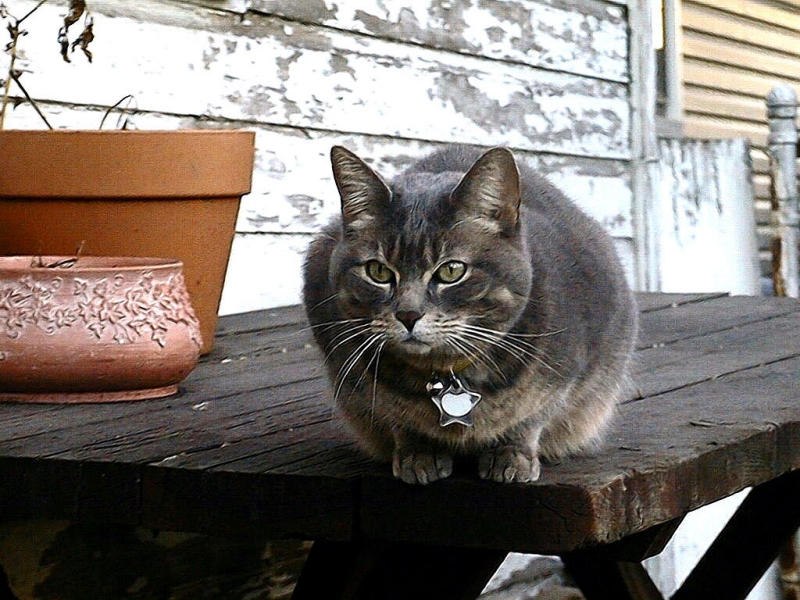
(735, 51)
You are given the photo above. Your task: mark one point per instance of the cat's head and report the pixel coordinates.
(435, 262)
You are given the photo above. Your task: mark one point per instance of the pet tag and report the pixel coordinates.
(454, 401)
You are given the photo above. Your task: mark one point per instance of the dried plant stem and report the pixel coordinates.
(31, 100)
(11, 73)
(31, 11)
(127, 97)
(7, 87)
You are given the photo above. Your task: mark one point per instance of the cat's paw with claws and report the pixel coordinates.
(509, 463)
(421, 466)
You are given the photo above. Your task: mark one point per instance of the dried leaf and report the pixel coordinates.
(63, 41)
(3, 10)
(85, 38)
(76, 10)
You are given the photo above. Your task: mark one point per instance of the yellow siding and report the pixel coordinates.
(734, 52)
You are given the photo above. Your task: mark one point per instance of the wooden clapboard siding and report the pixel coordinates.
(734, 52)
(265, 71)
(579, 37)
(549, 78)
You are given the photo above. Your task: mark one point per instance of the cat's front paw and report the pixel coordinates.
(421, 466)
(509, 463)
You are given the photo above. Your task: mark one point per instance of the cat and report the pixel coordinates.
(471, 276)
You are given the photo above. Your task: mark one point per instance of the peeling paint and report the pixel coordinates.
(495, 34)
(211, 53)
(579, 36)
(339, 65)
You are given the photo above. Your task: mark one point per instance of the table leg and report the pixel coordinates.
(747, 545)
(368, 570)
(601, 578)
(614, 571)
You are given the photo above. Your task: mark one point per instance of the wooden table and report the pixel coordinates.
(250, 447)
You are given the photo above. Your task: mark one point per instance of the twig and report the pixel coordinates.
(115, 105)
(7, 87)
(31, 11)
(13, 51)
(31, 100)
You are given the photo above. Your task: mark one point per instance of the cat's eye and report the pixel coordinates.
(378, 272)
(451, 271)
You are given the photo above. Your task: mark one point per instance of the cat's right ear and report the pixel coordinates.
(364, 194)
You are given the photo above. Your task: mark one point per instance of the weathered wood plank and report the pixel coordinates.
(98, 429)
(228, 503)
(749, 418)
(294, 195)
(686, 362)
(86, 491)
(692, 319)
(587, 38)
(250, 322)
(280, 283)
(651, 301)
(293, 189)
(664, 457)
(319, 78)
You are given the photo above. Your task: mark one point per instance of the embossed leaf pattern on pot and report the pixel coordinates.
(28, 303)
(140, 310)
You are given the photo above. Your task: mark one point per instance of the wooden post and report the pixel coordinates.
(782, 115)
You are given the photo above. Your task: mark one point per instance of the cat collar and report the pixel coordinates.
(454, 401)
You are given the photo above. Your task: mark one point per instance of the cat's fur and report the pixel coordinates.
(542, 280)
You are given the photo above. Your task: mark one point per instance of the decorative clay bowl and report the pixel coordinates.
(94, 329)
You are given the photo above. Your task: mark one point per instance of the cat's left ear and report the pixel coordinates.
(490, 190)
(364, 194)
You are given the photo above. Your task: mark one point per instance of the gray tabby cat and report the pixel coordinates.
(468, 308)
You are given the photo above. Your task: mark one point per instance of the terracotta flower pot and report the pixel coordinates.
(171, 194)
(98, 329)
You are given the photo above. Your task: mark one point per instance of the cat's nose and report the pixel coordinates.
(408, 318)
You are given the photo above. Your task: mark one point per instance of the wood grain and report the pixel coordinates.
(584, 37)
(252, 445)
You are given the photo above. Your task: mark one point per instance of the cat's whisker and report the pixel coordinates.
(484, 357)
(511, 348)
(351, 361)
(375, 384)
(331, 324)
(521, 345)
(321, 302)
(350, 334)
(364, 372)
(509, 335)
(514, 335)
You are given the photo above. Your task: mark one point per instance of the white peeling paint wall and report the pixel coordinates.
(706, 217)
(390, 80)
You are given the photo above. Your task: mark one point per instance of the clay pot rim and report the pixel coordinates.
(126, 164)
(234, 131)
(96, 264)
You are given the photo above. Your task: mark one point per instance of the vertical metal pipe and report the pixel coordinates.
(782, 115)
